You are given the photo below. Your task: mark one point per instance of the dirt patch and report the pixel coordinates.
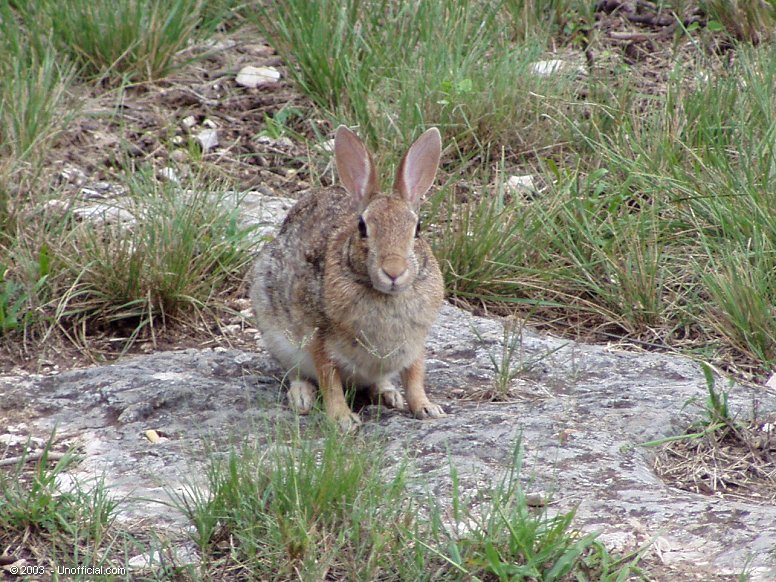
(155, 124)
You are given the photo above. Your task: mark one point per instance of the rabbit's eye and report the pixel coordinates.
(417, 229)
(361, 227)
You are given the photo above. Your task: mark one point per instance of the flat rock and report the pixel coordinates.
(253, 77)
(580, 411)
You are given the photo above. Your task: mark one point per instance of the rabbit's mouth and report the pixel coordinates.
(390, 285)
(391, 288)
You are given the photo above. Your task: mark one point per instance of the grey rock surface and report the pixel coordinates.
(581, 412)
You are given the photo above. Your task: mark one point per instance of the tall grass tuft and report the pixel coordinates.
(33, 94)
(126, 40)
(742, 289)
(168, 253)
(752, 21)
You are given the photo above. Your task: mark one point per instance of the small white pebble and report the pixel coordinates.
(253, 77)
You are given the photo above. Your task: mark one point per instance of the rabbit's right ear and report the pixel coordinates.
(354, 166)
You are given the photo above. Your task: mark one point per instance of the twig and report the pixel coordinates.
(634, 36)
(31, 457)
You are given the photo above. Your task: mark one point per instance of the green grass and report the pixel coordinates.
(509, 361)
(34, 108)
(567, 19)
(167, 256)
(744, 20)
(303, 505)
(322, 505)
(653, 221)
(659, 228)
(175, 252)
(378, 65)
(650, 207)
(181, 254)
(127, 40)
(653, 217)
(54, 526)
(299, 508)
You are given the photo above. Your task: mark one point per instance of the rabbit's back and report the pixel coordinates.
(287, 286)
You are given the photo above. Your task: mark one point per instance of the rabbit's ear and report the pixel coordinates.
(354, 165)
(418, 167)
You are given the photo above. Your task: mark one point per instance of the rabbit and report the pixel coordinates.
(346, 292)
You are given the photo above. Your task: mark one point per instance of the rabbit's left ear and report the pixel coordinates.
(418, 167)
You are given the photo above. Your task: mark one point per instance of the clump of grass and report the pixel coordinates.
(33, 101)
(74, 525)
(752, 21)
(394, 67)
(509, 362)
(715, 176)
(572, 19)
(717, 419)
(502, 532)
(324, 506)
(577, 246)
(166, 253)
(127, 40)
(12, 303)
(17, 301)
(305, 508)
(742, 288)
(34, 505)
(478, 242)
(719, 454)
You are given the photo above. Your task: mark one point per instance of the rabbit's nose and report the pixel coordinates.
(394, 266)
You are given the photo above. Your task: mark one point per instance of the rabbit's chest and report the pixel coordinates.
(378, 341)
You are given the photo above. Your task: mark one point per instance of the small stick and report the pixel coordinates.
(31, 457)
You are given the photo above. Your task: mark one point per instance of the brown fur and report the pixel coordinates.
(335, 307)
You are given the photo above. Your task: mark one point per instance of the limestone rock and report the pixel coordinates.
(580, 411)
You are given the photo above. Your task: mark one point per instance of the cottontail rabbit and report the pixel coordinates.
(347, 291)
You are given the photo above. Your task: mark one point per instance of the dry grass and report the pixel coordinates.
(736, 462)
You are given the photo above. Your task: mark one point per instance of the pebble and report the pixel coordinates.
(207, 139)
(521, 184)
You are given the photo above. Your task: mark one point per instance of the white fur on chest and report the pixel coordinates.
(375, 341)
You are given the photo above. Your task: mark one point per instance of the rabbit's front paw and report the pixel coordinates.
(301, 396)
(428, 409)
(347, 421)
